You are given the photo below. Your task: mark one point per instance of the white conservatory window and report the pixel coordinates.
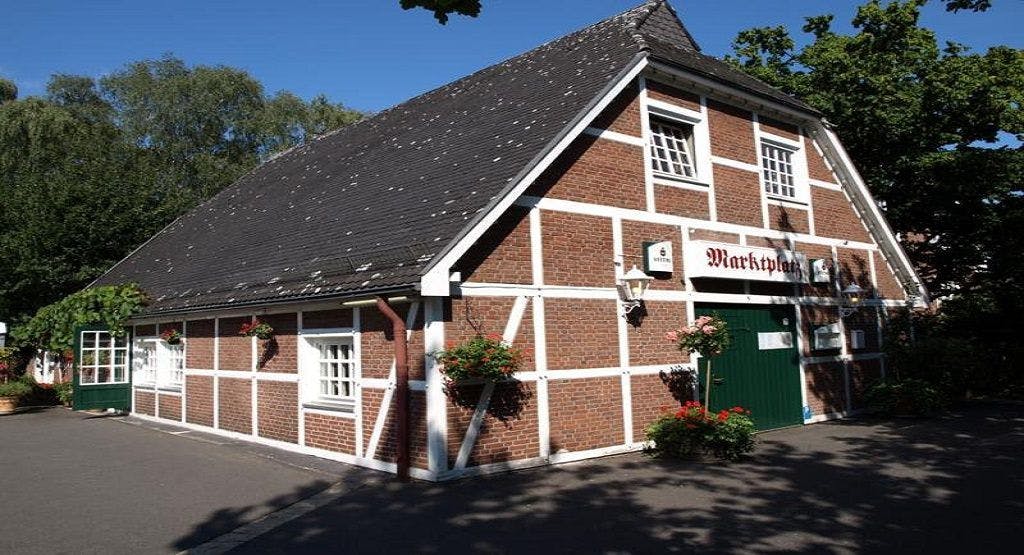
(104, 358)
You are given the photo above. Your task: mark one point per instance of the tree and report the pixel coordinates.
(442, 8)
(915, 118)
(95, 168)
(8, 90)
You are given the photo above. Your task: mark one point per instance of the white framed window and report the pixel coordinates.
(330, 369)
(777, 170)
(157, 363)
(104, 358)
(671, 147)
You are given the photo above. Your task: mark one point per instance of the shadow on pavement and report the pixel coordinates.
(941, 485)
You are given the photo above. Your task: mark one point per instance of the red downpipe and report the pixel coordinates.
(401, 388)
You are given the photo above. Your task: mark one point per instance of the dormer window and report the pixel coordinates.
(672, 148)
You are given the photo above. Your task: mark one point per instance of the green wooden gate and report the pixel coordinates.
(763, 376)
(102, 379)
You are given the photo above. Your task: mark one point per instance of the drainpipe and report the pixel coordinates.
(401, 387)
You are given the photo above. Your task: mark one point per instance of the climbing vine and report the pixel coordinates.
(53, 326)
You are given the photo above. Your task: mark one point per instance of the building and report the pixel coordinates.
(513, 201)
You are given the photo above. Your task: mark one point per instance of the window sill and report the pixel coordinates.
(673, 180)
(787, 201)
(170, 388)
(341, 407)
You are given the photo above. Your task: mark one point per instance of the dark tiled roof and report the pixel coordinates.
(366, 208)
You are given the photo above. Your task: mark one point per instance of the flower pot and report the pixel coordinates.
(8, 404)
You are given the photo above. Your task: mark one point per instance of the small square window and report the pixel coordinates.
(335, 369)
(777, 170)
(672, 149)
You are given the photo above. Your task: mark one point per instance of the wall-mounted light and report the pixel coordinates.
(632, 287)
(852, 294)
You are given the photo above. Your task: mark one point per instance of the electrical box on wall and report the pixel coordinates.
(827, 337)
(857, 339)
(658, 257)
(821, 270)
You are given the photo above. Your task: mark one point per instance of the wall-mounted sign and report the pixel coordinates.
(723, 260)
(821, 271)
(658, 257)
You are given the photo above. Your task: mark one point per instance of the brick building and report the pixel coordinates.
(513, 201)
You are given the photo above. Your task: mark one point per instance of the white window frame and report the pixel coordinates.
(700, 143)
(310, 369)
(798, 167)
(112, 350)
(161, 371)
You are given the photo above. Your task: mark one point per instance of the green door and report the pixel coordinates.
(101, 378)
(760, 371)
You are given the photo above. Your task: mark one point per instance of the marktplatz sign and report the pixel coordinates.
(723, 260)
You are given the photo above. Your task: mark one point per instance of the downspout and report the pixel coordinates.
(401, 387)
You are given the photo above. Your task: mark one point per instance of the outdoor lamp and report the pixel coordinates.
(852, 293)
(632, 287)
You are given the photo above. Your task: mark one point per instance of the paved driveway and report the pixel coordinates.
(81, 483)
(954, 484)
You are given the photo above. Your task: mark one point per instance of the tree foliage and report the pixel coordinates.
(443, 8)
(54, 326)
(94, 168)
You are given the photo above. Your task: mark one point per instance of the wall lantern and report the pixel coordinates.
(852, 293)
(632, 287)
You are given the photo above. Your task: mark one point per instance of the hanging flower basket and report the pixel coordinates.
(257, 329)
(171, 336)
(482, 357)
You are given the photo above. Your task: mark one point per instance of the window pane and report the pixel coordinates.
(88, 375)
(119, 373)
(103, 374)
(323, 387)
(88, 340)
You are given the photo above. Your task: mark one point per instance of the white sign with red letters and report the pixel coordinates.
(724, 260)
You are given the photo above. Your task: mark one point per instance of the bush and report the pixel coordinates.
(64, 391)
(910, 397)
(15, 388)
(691, 432)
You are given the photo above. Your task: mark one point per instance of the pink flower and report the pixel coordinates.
(701, 321)
(672, 336)
(708, 330)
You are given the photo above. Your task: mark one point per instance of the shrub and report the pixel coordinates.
(692, 432)
(15, 388)
(65, 392)
(488, 358)
(907, 397)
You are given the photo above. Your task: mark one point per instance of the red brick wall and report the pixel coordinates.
(816, 167)
(585, 414)
(386, 448)
(834, 216)
(199, 354)
(280, 353)
(780, 128)
(709, 235)
(581, 333)
(503, 255)
(623, 114)
(277, 416)
(634, 234)
(235, 401)
(199, 392)
(672, 95)
(647, 343)
(339, 318)
(651, 398)
(235, 350)
(826, 390)
(732, 134)
(866, 320)
(377, 342)
(577, 250)
(817, 252)
(333, 433)
(888, 286)
(786, 218)
(854, 267)
(509, 429)
(681, 202)
(597, 171)
(812, 317)
(145, 402)
(170, 407)
(737, 196)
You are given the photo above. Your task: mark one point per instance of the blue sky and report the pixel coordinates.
(370, 54)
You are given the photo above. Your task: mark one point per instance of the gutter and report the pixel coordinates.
(401, 386)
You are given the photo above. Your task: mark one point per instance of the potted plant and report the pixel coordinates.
(693, 433)
(708, 336)
(172, 336)
(482, 357)
(258, 329)
(11, 392)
